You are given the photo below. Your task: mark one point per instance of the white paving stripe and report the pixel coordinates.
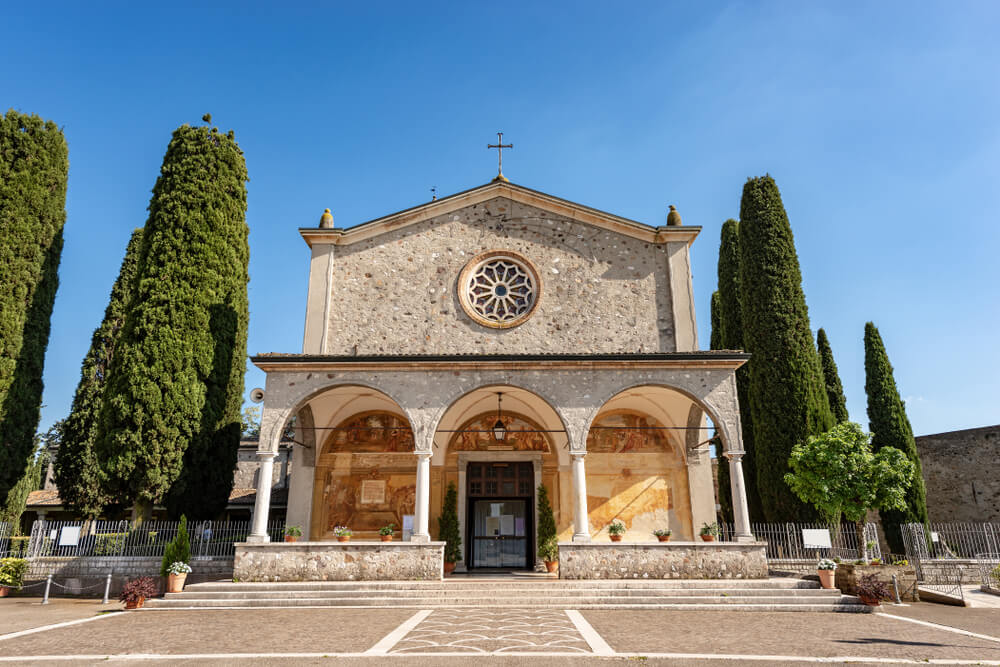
(941, 627)
(589, 634)
(391, 639)
(64, 624)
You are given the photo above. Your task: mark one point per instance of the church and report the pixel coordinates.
(497, 340)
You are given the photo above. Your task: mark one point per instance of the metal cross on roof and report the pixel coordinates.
(500, 145)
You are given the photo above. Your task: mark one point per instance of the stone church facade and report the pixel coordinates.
(500, 339)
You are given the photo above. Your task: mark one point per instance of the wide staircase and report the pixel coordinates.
(776, 594)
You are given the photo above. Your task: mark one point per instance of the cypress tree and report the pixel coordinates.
(725, 490)
(170, 419)
(732, 338)
(834, 389)
(890, 427)
(34, 163)
(30, 480)
(787, 400)
(77, 469)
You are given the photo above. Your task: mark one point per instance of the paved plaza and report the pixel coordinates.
(81, 631)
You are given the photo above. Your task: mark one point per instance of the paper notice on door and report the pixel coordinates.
(507, 524)
(519, 527)
(492, 526)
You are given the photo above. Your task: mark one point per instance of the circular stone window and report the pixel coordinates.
(499, 289)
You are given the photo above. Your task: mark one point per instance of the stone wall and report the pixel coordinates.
(339, 561)
(906, 579)
(662, 560)
(85, 576)
(960, 474)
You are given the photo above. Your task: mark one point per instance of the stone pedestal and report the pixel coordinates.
(662, 560)
(339, 561)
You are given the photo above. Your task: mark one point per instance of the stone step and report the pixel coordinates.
(488, 594)
(510, 585)
(527, 601)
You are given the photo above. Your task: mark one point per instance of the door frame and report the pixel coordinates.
(529, 560)
(490, 456)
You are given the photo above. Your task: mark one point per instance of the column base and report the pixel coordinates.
(744, 539)
(258, 539)
(581, 537)
(417, 537)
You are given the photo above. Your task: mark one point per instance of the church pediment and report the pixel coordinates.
(493, 190)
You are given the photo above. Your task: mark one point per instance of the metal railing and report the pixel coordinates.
(951, 540)
(989, 571)
(785, 541)
(81, 539)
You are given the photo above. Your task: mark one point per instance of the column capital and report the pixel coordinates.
(266, 455)
(422, 455)
(577, 455)
(734, 456)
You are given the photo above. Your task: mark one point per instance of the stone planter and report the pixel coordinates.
(847, 575)
(175, 582)
(826, 578)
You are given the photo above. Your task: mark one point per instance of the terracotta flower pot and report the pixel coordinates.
(616, 538)
(449, 567)
(4, 591)
(663, 538)
(386, 538)
(826, 578)
(291, 538)
(870, 601)
(175, 582)
(708, 538)
(135, 604)
(343, 538)
(551, 565)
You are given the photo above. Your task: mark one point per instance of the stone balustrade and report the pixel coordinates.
(338, 561)
(662, 560)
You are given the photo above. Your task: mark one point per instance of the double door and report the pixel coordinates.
(500, 518)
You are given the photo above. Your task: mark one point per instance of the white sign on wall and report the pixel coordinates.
(816, 538)
(69, 536)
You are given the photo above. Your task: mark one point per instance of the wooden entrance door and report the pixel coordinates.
(501, 517)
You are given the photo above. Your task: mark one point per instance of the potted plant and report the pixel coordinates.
(342, 533)
(709, 531)
(385, 532)
(548, 542)
(663, 534)
(616, 529)
(875, 561)
(448, 529)
(825, 570)
(871, 590)
(178, 550)
(135, 592)
(176, 574)
(549, 552)
(293, 533)
(12, 571)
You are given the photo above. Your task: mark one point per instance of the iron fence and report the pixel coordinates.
(80, 539)
(951, 540)
(786, 541)
(989, 571)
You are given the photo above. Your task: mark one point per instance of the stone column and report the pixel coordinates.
(421, 519)
(262, 504)
(741, 513)
(463, 468)
(581, 522)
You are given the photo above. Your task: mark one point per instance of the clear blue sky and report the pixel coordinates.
(880, 122)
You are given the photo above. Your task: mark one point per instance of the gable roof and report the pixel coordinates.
(492, 190)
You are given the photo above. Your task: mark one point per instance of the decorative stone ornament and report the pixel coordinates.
(326, 220)
(673, 217)
(499, 289)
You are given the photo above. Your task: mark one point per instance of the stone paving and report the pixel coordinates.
(485, 631)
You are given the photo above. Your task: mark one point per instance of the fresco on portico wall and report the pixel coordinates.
(645, 492)
(365, 500)
(623, 432)
(476, 435)
(371, 432)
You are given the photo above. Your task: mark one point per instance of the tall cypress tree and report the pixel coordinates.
(170, 420)
(77, 469)
(34, 163)
(787, 399)
(725, 490)
(834, 389)
(732, 338)
(890, 427)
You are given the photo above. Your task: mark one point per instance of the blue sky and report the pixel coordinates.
(879, 121)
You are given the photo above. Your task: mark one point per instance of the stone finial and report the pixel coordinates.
(673, 217)
(326, 221)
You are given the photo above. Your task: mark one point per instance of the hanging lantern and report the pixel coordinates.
(499, 430)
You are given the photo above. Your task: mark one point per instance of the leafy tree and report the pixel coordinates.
(250, 422)
(837, 472)
(34, 164)
(170, 420)
(834, 389)
(890, 428)
(732, 337)
(787, 400)
(31, 480)
(725, 490)
(78, 472)
(178, 549)
(448, 526)
(546, 520)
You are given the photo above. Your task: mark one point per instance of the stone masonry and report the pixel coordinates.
(339, 561)
(664, 560)
(960, 473)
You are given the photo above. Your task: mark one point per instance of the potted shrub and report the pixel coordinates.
(385, 532)
(875, 561)
(178, 550)
(871, 590)
(176, 574)
(616, 529)
(663, 534)
(12, 571)
(709, 531)
(293, 533)
(135, 592)
(825, 570)
(448, 529)
(549, 552)
(342, 533)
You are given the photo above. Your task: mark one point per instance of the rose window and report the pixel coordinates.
(499, 289)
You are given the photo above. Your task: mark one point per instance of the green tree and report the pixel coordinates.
(30, 480)
(732, 337)
(546, 520)
(787, 400)
(837, 472)
(178, 549)
(725, 491)
(250, 422)
(78, 473)
(890, 428)
(448, 526)
(34, 163)
(170, 420)
(834, 389)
